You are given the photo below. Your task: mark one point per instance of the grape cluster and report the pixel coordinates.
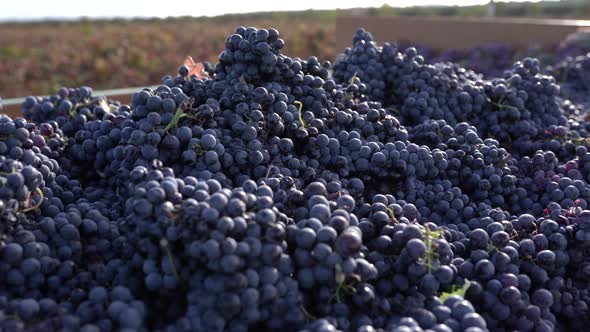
(491, 59)
(576, 44)
(572, 74)
(394, 195)
(516, 108)
(70, 108)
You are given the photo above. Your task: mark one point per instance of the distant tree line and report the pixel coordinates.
(573, 9)
(576, 9)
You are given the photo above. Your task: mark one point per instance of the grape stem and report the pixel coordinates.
(164, 244)
(392, 215)
(308, 316)
(200, 151)
(174, 122)
(341, 285)
(36, 206)
(351, 81)
(299, 113)
(429, 237)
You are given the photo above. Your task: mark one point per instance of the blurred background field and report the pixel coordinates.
(39, 57)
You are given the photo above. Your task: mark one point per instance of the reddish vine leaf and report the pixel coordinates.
(195, 68)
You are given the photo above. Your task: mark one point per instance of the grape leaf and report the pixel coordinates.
(456, 290)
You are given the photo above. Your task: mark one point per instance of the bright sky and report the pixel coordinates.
(38, 9)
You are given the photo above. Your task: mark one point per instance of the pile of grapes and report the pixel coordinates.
(492, 59)
(380, 193)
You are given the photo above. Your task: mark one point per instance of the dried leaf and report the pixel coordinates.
(195, 68)
(104, 104)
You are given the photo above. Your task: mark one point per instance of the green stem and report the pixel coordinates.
(174, 122)
(164, 244)
(392, 215)
(351, 81)
(200, 150)
(300, 114)
(429, 237)
(306, 313)
(429, 254)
